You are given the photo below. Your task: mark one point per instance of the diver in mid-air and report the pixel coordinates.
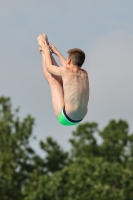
(69, 83)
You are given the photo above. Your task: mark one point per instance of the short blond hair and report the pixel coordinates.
(77, 56)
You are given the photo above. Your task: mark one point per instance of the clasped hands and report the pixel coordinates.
(44, 44)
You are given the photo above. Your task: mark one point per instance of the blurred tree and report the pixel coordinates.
(84, 142)
(95, 171)
(17, 158)
(90, 171)
(87, 179)
(55, 158)
(15, 153)
(117, 143)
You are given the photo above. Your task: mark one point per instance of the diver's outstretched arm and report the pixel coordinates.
(56, 52)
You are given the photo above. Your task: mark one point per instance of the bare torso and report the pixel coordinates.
(76, 92)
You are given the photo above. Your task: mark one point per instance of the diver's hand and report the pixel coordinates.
(53, 49)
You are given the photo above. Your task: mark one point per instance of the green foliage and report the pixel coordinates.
(90, 171)
(86, 179)
(14, 151)
(83, 142)
(117, 143)
(94, 172)
(55, 159)
(17, 159)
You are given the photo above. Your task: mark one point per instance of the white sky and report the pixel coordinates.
(103, 29)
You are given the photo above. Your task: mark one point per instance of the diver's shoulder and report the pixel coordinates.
(84, 72)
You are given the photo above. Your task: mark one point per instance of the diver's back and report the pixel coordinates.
(76, 93)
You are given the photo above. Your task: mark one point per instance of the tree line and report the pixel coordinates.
(89, 171)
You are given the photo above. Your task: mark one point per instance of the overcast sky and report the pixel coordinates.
(102, 28)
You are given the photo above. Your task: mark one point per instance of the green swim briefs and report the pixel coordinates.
(65, 120)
